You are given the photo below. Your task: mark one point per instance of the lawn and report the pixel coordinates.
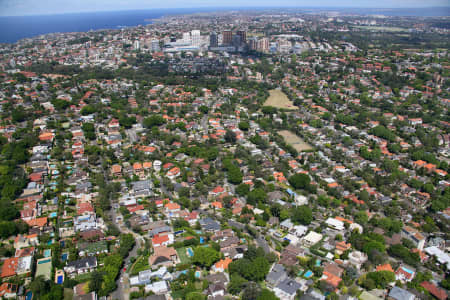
(183, 256)
(68, 294)
(140, 265)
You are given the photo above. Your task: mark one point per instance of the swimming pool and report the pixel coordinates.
(29, 295)
(189, 251)
(44, 261)
(408, 270)
(47, 252)
(318, 261)
(197, 274)
(64, 256)
(308, 274)
(53, 215)
(60, 279)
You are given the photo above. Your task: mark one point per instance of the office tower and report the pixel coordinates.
(196, 38)
(236, 41)
(137, 45)
(187, 37)
(155, 46)
(253, 43)
(263, 45)
(243, 36)
(213, 40)
(227, 37)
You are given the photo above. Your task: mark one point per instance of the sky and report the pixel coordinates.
(39, 7)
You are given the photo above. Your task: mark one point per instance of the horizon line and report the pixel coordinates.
(231, 8)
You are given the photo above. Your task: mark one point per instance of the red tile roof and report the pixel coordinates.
(434, 290)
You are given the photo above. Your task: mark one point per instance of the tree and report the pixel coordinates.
(302, 215)
(155, 120)
(205, 256)
(7, 229)
(299, 181)
(242, 189)
(244, 126)
(89, 130)
(204, 109)
(39, 286)
(267, 295)
(251, 291)
(230, 136)
(237, 283)
(381, 278)
(95, 284)
(256, 195)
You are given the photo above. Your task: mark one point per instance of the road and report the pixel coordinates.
(204, 123)
(132, 136)
(123, 285)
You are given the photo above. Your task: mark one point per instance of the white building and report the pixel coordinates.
(312, 238)
(335, 224)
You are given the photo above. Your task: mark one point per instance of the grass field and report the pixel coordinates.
(279, 99)
(295, 141)
(183, 256)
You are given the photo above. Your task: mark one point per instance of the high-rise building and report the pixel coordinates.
(186, 37)
(213, 40)
(263, 45)
(137, 45)
(227, 37)
(237, 41)
(252, 43)
(155, 46)
(196, 38)
(243, 36)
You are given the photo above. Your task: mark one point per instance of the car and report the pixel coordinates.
(124, 269)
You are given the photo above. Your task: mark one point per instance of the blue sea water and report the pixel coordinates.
(19, 27)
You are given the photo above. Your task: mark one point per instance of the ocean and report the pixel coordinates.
(19, 27)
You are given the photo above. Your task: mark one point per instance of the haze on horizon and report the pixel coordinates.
(41, 7)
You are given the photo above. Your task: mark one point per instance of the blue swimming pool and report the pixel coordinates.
(64, 256)
(47, 252)
(407, 270)
(44, 261)
(190, 253)
(308, 274)
(197, 274)
(202, 240)
(53, 215)
(60, 279)
(29, 295)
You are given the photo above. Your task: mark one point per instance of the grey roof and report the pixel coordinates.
(287, 223)
(88, 262)
(158, 230)
(141, 185)
(289, 286)
(209, 224)
(277, 274)
(217, 278)
(400, 294)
